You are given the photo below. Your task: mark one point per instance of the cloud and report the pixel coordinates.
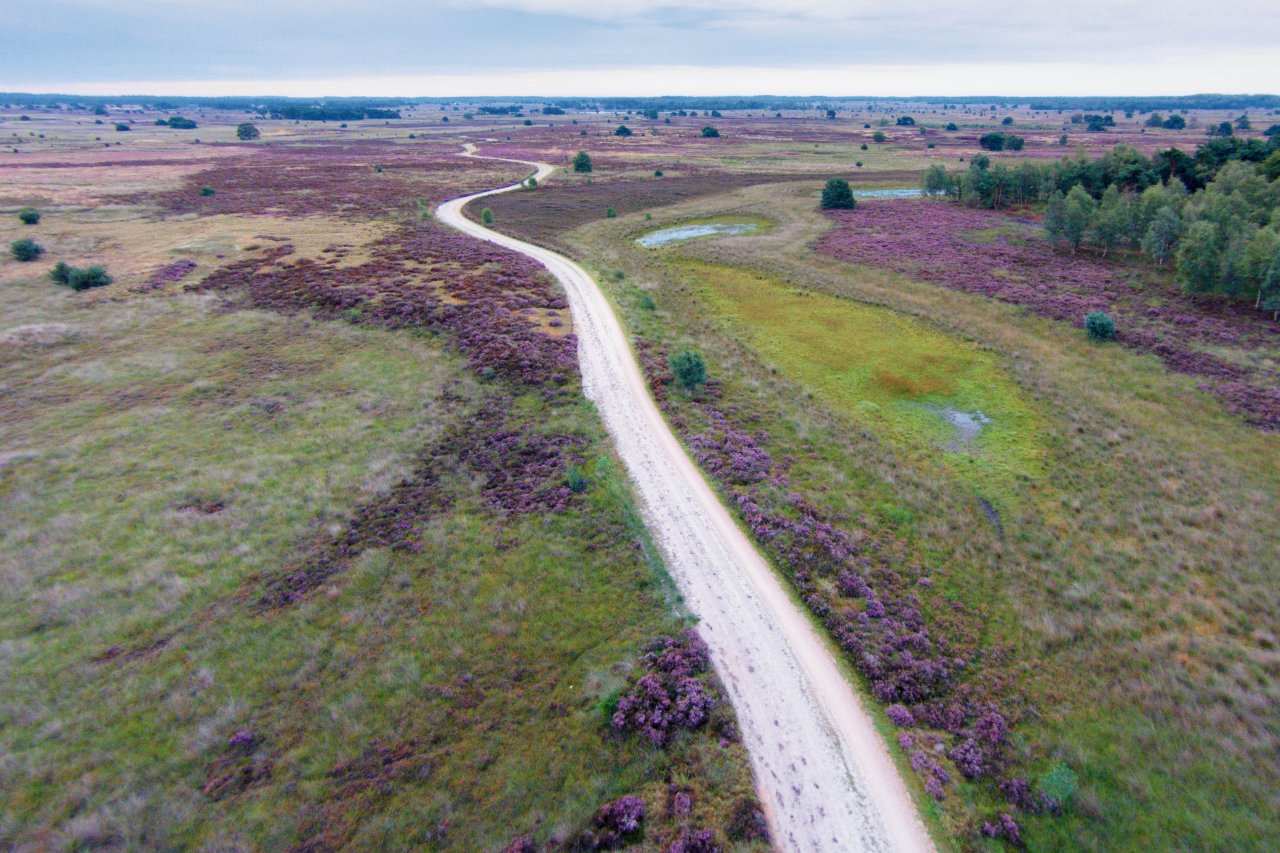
(1171, 77)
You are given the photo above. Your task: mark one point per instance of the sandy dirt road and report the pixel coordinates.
(824, 775)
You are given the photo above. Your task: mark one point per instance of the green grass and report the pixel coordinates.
(891, 374)
(163, 460)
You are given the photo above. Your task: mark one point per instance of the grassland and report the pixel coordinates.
(1124, 604)
(265, 583)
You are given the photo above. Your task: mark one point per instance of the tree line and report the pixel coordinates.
(1214, 215)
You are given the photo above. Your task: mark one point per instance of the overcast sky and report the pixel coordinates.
(640, 47)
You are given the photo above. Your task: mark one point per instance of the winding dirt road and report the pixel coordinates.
(825, 777)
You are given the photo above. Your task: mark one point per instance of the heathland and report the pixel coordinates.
(311, 540)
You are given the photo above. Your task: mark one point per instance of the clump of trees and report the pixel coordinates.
(1214, 216)
(25, 249)
(710, 132)
(248, 131)
(622, 130)
(999, 141)
(838, 195)
(80, 278)
(582, 162)
(906, 121)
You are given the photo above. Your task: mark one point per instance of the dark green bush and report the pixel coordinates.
(26, 249)
(61, 273)
(689, 369)
(1100, 326)
(249, 131)
(710, 133)
(207, 191)
(837, 195)
(610, 213)
(122, 127)
(486, 216)
(582, 160)
(83, 279)
(29, 215)
(576, 480)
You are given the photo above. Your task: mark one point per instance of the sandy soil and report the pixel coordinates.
(824, 775)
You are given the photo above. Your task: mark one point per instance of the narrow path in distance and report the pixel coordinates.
(825, 778)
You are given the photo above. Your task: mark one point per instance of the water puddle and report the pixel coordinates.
(967, 425)
(675, 234)
(906, 192)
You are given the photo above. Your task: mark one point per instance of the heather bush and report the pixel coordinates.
(29, 216)
(693, 840)
(1003, 827)
(25, 249)
(1099, 326)
(747, 822)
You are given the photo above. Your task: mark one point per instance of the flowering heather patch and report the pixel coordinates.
(922, 672)
(614, 825)
(333, 178)
(669, 696)
(522, 471)
(425, 277)
(167, 274)
(950, 245)
(691, 840)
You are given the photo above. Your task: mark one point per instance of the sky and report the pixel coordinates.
(445, 48)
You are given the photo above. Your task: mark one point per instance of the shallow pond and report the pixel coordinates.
(907, 192)
(677, 233)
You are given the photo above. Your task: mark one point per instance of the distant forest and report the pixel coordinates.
(355, 109)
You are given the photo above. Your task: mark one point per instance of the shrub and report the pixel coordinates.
(1008, 121)
(61, 273)
(622, 130)
(29, 215)
(878, 136)
(657, 173)
(905, 121)
(249, 131)
(610, 213)
(1059, 785)
(952, 126)
(575, 480)
(531, 183)
(486, 216)
(207, 191)
(121, 127)
(26, 249)
(180, 123)
(582, 161)
(1100, 326)
(689, 369)
(858, 164)
(86, 278)
(864, 146)
(527, 122)
(992, 141)
(837, 195)
(710, 133)
(647, 303)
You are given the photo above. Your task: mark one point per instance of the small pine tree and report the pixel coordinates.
(689, 369)
(1099, 326)
(838, 195)
(486, 216)
(29, 216)
(582, 161)
(610, 213)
